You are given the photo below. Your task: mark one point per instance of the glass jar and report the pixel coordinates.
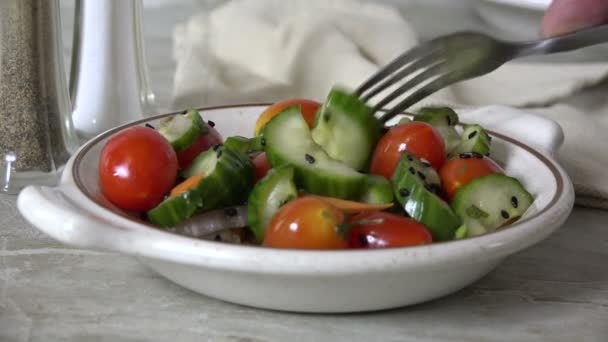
(36, 130)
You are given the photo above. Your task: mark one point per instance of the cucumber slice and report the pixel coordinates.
(444, 119)
(378, 190)
(229, 177)
(288, 141)
(181, 130)
(245, 145)
(176, 209)
(489, 202)
(415, 186)
(268, 195)
(474, 139)
(346, 129)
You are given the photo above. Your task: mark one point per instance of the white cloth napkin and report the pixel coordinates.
(267, 50)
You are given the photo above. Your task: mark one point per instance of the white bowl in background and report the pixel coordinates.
(76, 213)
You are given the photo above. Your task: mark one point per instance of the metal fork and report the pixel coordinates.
(445, 60)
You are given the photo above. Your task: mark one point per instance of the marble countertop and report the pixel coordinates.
(554, 291)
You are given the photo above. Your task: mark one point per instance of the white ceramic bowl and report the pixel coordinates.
(76, 213)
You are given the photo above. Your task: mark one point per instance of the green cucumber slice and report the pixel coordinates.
(229, 177)
(181, 130)
(288, 141)
(474, 139)
(244, 145)
(378, 190)
(346, 129)
(489, 202)
(444, 119)
(415, 186)
(176, 209)
(268, 195)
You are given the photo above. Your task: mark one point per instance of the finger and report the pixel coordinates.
(570, 15)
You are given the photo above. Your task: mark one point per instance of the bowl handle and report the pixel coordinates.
(53, 212)
(539, 132)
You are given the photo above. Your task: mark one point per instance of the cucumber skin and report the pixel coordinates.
(197, 129)
(228, 184)
(260, 198)
(461, 202)
(444, 119)
(332, 137)
(378, 190)
(244, 145)
(181, 208)
(480, 144)
(306, 176)
(423, 205)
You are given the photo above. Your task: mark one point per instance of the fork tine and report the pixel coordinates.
(405, 58)
(432, 71)
(407, 70)
(420, 94)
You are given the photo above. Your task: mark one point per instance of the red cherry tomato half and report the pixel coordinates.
(381, 230)
(261, 165)
(137, 167)
(462, 169)
(306, 223)
(420, 138)
(203, 143)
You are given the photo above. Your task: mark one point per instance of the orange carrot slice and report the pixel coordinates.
(186, 185)
(351, 207)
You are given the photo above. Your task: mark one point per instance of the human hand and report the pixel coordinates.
(565, 16)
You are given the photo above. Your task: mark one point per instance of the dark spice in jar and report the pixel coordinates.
(33, 98)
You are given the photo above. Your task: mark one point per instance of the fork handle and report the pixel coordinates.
(567, 42)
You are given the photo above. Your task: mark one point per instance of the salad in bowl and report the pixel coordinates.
(306, 206)
(317, 177)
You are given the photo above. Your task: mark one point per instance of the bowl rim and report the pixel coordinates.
(499, 241)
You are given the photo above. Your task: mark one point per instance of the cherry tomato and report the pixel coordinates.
(203, 143)
(462, 169)
(420, 138)
(306, 223)
(380, 230)
(309, 111)
(137, 167)
(261, 165)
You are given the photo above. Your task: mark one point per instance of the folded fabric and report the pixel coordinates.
(267, 50)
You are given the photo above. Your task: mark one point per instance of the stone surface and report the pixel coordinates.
(555, 291)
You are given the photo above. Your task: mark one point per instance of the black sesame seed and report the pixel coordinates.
(465, 155)
(219, 154)
(326, 117)
(504, 214)
(421, 175)
(477, 155)
(263, 141)
(449, 120)
(211, 123)
(185, 112)
(514, 202)
(363, 240)
(217, 238)
(216, 147)
(410, 158)
(437, 189)
(472, 135)
(230, 211)
(488, 154)
(412, 171)
(149, 126)
(429, 187)
(310, 159)
(403, 192)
